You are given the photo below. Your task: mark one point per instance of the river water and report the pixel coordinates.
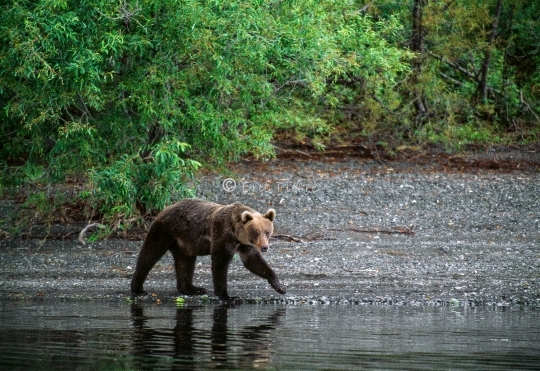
(123, 336)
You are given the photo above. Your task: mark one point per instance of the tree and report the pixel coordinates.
(135, 95)
(483, 80)
(417, 46)
(465, 83)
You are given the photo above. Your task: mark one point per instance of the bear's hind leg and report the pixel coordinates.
(185, 268)
(151, 251)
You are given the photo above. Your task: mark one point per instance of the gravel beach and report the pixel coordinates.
(352, 230)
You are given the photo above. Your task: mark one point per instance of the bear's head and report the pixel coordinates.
(257, 229)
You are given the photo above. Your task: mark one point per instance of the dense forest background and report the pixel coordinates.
(134, 96)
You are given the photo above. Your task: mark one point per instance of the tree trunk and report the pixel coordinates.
(417, 46)
(482, 83)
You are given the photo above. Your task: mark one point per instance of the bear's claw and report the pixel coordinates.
(277, 286)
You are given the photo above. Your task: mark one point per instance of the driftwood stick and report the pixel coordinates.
(287, 237)
(294, 151)
(409, 230)
(83, 232)
(397, 230)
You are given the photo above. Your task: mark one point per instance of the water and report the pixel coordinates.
(97, 336)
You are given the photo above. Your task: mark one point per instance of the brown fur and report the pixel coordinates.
(192, 228)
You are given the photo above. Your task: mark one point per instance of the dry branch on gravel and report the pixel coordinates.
(396, 230)
(288, 237)
(408, 230)
(83, 232)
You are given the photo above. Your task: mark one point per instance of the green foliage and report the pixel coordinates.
(42, 208)
(455, 137)
(447, 76)
(99, 234)
(368, 70)
(149, 183)
(134, 96)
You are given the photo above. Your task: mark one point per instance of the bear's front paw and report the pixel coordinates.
(277, 286)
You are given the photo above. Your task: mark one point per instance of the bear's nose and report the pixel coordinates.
(264, 248)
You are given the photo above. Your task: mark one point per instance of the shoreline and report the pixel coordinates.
(473, 239)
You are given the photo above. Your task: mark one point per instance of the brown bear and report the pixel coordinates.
(195, 227)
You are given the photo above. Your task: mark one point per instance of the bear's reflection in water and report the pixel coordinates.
(192, 345)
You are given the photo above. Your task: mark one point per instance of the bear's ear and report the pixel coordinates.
(270, 214)
(246, 216)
